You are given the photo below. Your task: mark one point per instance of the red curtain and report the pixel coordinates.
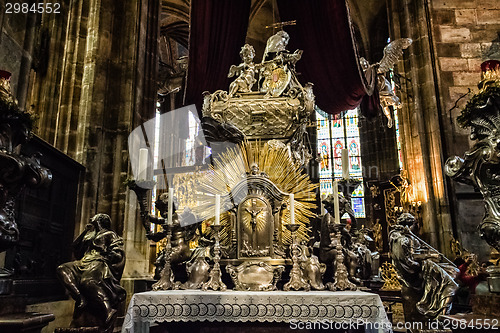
(217, 33)
(330, 58)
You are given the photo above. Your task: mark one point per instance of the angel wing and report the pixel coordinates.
(392, 52)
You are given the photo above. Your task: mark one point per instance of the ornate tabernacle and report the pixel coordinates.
(255, 200)
(480, 166)
(258, 180)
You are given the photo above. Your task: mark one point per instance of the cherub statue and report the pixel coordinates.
(246, 72)
(392, 52)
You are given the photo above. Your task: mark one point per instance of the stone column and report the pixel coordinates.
(421, 122)
(100, 83)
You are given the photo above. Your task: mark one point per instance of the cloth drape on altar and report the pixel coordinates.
(256, 306)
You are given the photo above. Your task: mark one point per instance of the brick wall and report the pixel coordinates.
(467, 32)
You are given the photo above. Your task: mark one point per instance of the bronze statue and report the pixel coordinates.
(17, 171)
(312, 269)
(368, 260)
(480, 166)
(180, 235)
(93, 279)
(177, 249)
(427, 277)
(198, 273)
(327, 250)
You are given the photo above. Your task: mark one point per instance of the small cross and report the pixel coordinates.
(281, 24)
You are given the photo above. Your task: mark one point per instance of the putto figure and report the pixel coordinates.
(93, 280)
(246, 71)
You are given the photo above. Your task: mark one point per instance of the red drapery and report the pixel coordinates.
(217, 33)
(330, 58)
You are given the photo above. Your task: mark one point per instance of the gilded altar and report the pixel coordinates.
(250, 218)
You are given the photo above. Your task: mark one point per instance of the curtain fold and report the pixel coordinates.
(217, 33)
(330, 59)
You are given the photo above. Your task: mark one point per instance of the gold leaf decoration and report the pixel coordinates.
(232, 167)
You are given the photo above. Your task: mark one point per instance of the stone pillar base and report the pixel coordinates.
(486, 305)
(77, 330)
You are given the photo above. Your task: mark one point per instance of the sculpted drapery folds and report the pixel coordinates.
(428, 279)
(93, 279)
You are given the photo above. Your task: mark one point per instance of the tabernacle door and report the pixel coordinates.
(255, 227)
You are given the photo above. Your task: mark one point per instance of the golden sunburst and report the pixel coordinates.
(232, 167)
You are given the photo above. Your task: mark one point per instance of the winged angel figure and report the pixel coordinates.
(392, 52)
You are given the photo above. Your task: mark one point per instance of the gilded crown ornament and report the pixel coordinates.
(5, 90)
(490, 74)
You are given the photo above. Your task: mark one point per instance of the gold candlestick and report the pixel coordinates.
(297, 280)
(166, 280)
(215, 281)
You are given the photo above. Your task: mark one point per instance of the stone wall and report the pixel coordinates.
(466, 34)
(17, 40)
(421, 125)
(450, 40)
(89, 73)
(99, 83)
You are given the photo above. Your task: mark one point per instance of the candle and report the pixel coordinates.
(142, 169)
(292, 208)
(217, 209)
(170, 205)
(336, 201)
(345, 164)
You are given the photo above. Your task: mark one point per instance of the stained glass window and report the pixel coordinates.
(396, 124)
(334, 134)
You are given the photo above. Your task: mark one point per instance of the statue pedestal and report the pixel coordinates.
(14, 318)
(5, 286)
(486, 305)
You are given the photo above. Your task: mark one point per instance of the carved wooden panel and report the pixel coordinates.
(46, 219)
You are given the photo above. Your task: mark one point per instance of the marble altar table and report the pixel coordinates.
(331, 308)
